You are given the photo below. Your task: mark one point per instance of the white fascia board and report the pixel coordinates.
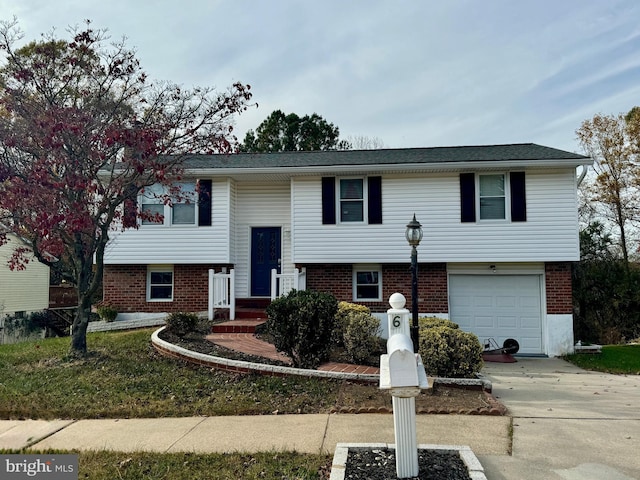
(397, 167)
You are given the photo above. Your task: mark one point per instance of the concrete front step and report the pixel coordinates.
(243, 325)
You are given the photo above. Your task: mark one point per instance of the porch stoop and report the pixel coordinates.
(239, 325)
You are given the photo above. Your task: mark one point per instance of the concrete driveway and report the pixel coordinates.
(568, 423)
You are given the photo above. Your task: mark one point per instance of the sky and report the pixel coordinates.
(411, 73)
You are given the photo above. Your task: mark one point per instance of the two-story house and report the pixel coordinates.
(500, 232)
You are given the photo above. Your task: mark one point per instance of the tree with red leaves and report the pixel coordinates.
(82, 132)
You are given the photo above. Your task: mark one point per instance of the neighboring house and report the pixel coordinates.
(500, 232)
(21, 291)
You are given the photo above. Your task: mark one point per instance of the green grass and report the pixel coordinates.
(104, 465)
(124, 377)
(621, 359)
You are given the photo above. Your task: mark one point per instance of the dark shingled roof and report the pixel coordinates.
(521, 151)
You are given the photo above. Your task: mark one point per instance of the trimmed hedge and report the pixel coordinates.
(301, 324)
(450, 352)
(182, 323)
(361, 339)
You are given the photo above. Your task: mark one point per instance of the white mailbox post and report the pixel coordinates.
(402, 372)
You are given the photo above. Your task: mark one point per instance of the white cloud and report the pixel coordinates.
(412, 73)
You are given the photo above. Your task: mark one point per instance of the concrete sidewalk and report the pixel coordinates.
(304, 433)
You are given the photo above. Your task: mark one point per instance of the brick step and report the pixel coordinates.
(246, 325)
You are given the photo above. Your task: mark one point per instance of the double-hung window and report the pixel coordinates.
(351, 200)
(492, 197)
(367, 283)
(181, 205)
(184, 205)
(152, 205)
(160, 283)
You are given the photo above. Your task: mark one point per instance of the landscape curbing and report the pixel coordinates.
(239, 366)
(338, 467)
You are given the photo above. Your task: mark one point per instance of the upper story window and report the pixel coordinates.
(190, 205)
(492, 197)
(351, 200)
(183, 210)
(152, 205)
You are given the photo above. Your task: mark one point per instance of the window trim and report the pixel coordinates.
(507, 198)
(167, 213)
(364, 200)
(362, 268)
(162, 269)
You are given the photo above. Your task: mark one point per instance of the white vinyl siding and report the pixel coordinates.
(179, 244)
(22, 290)
(260, 205)
(549, 234)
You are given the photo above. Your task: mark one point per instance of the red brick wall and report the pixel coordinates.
(432, 284)
(125, 286)
(558, 287)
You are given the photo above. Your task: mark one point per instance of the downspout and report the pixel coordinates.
(585, 169)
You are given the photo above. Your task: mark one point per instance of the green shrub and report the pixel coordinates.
(301, 324)
(182, 323)
(430, 322)
(361, 339)
(344, 313)
(450, 352)
(107, 312)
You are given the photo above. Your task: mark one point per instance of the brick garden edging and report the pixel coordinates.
(238, 366)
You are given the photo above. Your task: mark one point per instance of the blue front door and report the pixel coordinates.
(265, 255)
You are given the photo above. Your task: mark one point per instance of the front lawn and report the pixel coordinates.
(621, 359)
(125, 377)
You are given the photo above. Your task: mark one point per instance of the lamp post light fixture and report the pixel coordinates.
(413, 235)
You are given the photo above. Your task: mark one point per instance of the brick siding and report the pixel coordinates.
(432, 284)
(558, 287)
(125, 286)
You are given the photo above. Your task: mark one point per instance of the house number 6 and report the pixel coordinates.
(396, 321)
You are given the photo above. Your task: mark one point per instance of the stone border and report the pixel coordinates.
(239, 366)
(339, 465)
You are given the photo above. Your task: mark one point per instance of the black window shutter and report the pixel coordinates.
(204, 203)
(328, 200)
(467, 197)
(375, 200)
(518, 197)
(130, 216)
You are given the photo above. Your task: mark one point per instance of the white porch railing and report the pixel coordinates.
(283, 283)
(222, 292)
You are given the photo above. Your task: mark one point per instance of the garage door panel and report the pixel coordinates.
(499, 307)
(508, 322)
(506, 302)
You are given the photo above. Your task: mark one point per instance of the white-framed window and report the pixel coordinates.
(492, 196)
(181, 210)
(367, 283)
(160, 283)
(352, 202)
(152, 205)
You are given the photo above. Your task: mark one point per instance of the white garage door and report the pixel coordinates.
(499, 307)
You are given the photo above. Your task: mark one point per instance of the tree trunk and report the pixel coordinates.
(79, 335)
